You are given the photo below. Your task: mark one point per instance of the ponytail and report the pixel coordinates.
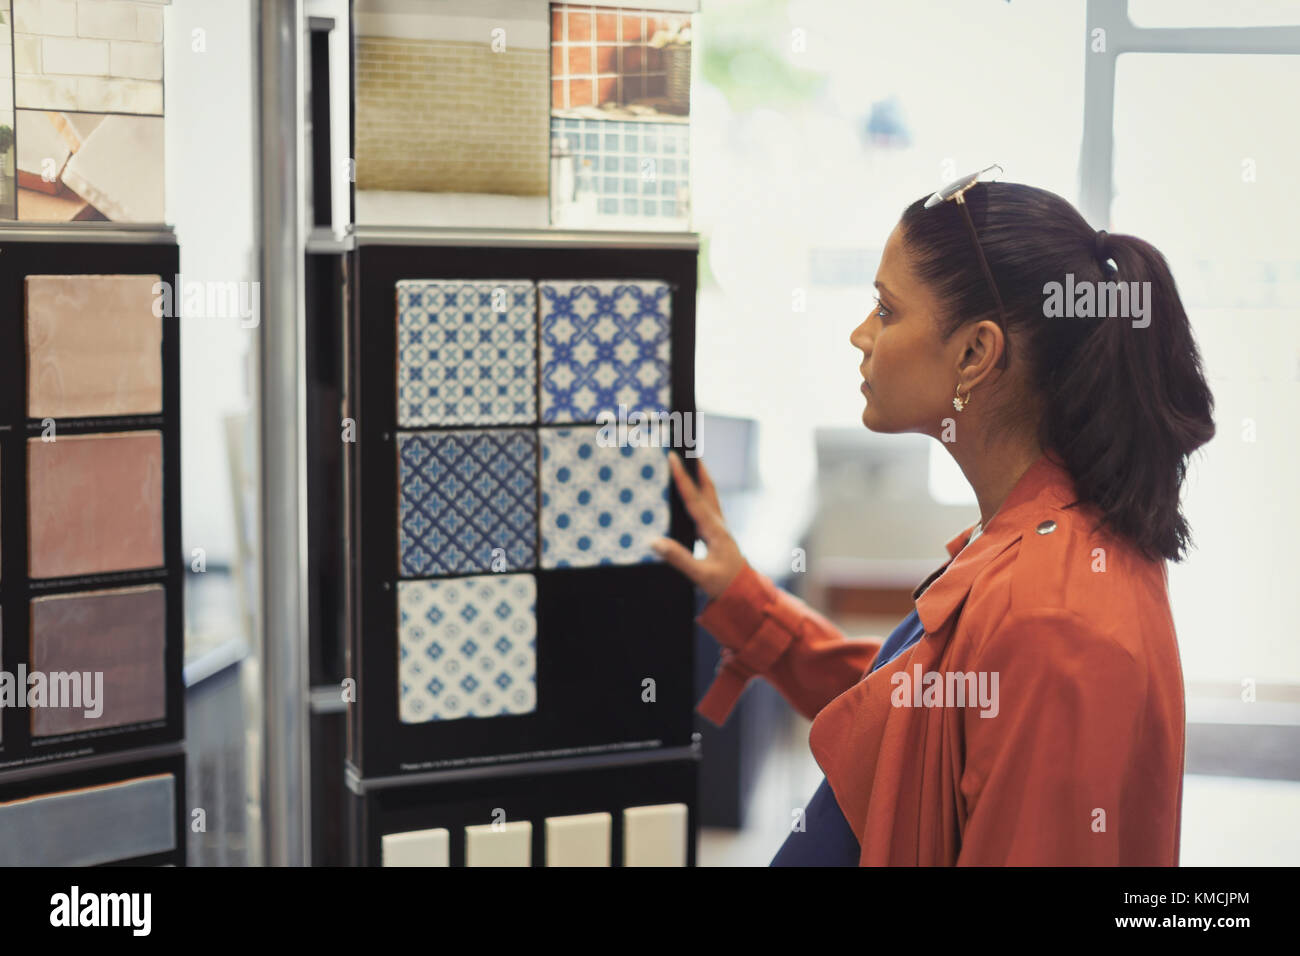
(1131, 404)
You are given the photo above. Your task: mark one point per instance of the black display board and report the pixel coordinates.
(529, 793)
(600, 631)
(19, 259)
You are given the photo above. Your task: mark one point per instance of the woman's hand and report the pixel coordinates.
(713, 572)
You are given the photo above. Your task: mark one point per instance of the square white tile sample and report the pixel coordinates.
(510, 844)
(417, 848)
(601, 504)
(605, 343)
(467, 352)
(579, 840)
(467, 647)
(655, 835)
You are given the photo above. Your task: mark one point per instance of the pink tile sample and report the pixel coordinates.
(120, 634)
(94, 503)
(94, 346)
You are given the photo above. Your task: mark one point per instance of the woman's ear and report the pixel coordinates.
(983, 344)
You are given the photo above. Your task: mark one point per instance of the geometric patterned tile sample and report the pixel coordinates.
(580, 840)
(604, 343)
(417, 848)
(94, 346)
(464, 494)
(601, 504)
(507, 844)
(94, 503)
(118, 635)
(467, 352)
(655, 836)
(467, 647)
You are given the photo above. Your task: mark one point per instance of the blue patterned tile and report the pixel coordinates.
(467, 647)
(467, 352)
(604, 343)
(464, 494)
(601, 504)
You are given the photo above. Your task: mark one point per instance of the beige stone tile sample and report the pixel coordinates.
(94, 346)
(417, 848)
(510, 844)
(579, 840)
(655, 835)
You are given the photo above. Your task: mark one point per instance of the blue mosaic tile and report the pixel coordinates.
(467, 647)
(467, 352)
(604, 343)
(464, 494)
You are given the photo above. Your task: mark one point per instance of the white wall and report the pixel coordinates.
(211, 144)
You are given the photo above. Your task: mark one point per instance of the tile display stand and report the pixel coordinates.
(32, 766)
(587, 737)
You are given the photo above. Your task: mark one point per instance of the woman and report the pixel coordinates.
(1030, 709)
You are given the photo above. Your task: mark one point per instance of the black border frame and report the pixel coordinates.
(379, 744)
(19, 259)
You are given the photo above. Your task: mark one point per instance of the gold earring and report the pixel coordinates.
(959, 403)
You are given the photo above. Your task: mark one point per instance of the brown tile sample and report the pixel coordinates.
(94, 503)
(94, 346)
(120, 633)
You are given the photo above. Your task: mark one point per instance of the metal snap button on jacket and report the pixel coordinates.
(1047, 527)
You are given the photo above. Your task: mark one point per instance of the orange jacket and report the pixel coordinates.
(1074, 753)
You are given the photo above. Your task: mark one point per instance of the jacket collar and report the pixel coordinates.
(1045, 486)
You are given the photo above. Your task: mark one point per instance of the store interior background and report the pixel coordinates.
(812, 125)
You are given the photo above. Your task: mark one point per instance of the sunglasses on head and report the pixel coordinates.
(956, 191)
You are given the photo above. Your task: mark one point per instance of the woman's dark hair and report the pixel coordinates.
(1124, 406)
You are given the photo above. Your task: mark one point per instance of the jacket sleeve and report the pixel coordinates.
(767, 632)
(1045, 771)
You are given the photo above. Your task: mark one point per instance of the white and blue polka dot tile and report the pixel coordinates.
(467, 501)
(601, 504)
(467, 352)
(468, 647)
(604, 343)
